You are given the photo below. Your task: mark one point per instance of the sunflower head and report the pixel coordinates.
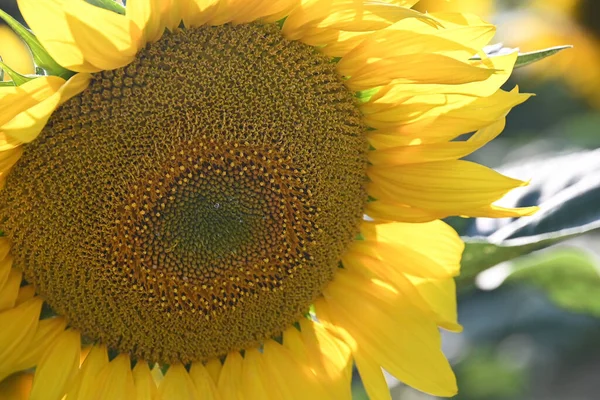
(243, 193)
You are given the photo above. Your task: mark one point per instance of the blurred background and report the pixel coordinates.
(529, 293)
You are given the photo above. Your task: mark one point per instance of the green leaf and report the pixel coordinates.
(40, 55)
(7, 83)
(480, 255)
(110, 5)
(570, 277)
(485, 374)
(17, 78)
(523, 59)
(533, 56)
(567, 189)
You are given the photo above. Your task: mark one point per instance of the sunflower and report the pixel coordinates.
(241, 198)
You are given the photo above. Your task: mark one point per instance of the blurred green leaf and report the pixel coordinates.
(533, 56)
(523, 59)
(479, 255)
(110, 5)
(570, 276)
(487, 375)
(567, 189)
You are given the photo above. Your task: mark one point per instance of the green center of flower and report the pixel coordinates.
(196, 201)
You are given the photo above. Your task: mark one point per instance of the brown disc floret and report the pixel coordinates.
(196, 201)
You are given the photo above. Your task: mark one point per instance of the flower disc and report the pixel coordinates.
(197, 200)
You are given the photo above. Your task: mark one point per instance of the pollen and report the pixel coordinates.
(197, 200)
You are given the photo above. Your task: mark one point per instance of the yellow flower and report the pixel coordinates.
(244, 193)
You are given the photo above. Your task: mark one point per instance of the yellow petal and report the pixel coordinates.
(292, 340)
(368, 16)
(440, 294)
(57, 38)
(387, 211)
(10, 290)
(4, 247)
(145, 387)
(10, 152)
(115, 380)
(157, 374)
(429, 250)
(398, 336)
(230, 377)
(171, 12)
(442, 116)
(328, 358)
(204, 383)
(214, 366)
(21, 98)
(333, 41)
(343, 43)
(106, 39)
(245, 11)
(286, 7)
(372, 376)
(198, 12)
(16, 386)
(293, 380)
(219, 12)
(465, 28)
(390, 211)
(19, 328)
(392, 148)
(5, 268)
(413, 36)
(146, 14)
(47, 331)
(411, 69)
(27, 125)
(25, 109)
(25, 293)
(37, 103)
(502, 66)
(428, 152)
(449, 187)
(256, 378)
(75, 85)
(314, 17)
(177, 385)
(58, 367)
(83, 387)
(387, 276)
(494, 211)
